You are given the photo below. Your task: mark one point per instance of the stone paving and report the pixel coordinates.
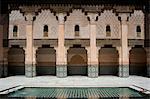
(75, 81)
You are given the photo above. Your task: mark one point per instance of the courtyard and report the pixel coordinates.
(76, 81)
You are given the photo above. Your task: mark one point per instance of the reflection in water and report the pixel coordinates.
(88, 93)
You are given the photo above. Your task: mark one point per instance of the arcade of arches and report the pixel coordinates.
(68, 38)
(77, 61)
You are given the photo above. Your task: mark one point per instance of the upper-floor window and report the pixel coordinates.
(15, 31)
(138, 31)
(108, 30)
(45, 31)
(77, 29)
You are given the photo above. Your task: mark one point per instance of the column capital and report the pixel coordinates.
(124, 17)
(92, 17)
(61, 17)
(29, 12)
(29, 17)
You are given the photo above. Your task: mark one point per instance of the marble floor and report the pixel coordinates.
(136, 82)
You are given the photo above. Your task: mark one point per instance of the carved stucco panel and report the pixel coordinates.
(45, 18)
(108, 18)
(17, 18)
(137, 18)
(77, 17)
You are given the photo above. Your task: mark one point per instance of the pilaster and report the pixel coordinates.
(29, 13)
(124, 68)
(92, 51)
(61, 47)
(29, 68)
(61, 66)
(61, 69)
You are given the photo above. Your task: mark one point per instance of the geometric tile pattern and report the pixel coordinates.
(93, 71)
(76, 93)
(61, 71)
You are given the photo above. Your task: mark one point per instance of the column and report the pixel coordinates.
(147, 37)
(29, 65)
(124, 66)
(93, 66)
(1, 50)
(61, 66)
(30, 69)
(120, 69)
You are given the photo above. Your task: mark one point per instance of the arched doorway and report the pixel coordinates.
(137, 60)
(46, 61)
(16, 61)
(108, 61)
(77, 61)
